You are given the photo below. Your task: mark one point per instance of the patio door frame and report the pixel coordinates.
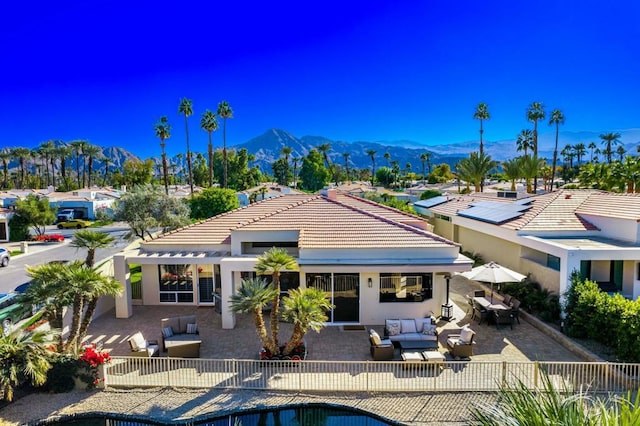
(332, 295)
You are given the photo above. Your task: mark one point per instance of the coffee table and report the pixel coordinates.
(412, 345)
(183, 349)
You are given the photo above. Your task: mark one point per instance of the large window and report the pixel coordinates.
(176, 283)
(397, 287)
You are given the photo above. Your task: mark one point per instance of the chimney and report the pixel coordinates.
(332, 194)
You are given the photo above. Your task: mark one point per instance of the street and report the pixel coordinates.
(15, 274)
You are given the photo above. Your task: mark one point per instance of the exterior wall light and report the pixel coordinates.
(370, 282)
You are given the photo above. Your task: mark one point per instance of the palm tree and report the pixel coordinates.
(92, 151)
(21, 154)
(286, 151)
(209, 123)
(423, 160)
(372, 153)
(295, 160)
(91, 240)
(524, 142)
(608, 140)
(76, 146)
(324, 150)
(224, 112)
(387, 157)
(557, 118)
(5, 157)
(531, 166)
(63, 152)
(592, 146)
(23, 358)
(535, 112)
(580, 151)
(46, 151)
(163, 132)
(621, 151)
(273, 262)
(307, 310)
(186, 109)
(346, 155)
(481, 114)
(568, 154)
(475, 168)
(107, 162)
(252, 296)
(512, 170)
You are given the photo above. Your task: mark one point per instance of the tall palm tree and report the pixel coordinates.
(620, 151)
(163, 132)
(580, 151)
(324, 150)
(186, 109)
(273, 262)
(592, 146)
(557, 118)
(76, 146)
(63, 152)
(224, 112)
(372, 154)
(524, 141)
(23, 358)
(5, 157)
(346, 155)
(512, 170)
(21, 154)
(387, 157)
(608, 140)
(107, 162)
(306, 309)
(568, 154)
(535, 112)
(209, 123)
(423, 160)
(252, 296)
(295, 161)
(46, 151)
(92, 152)
(286, 151)
(481, 114)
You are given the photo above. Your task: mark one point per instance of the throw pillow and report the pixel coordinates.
(393, 327)
(465, 335)
(375, 338)
(137, 342)
(408, 326)
(167, 332)
(192, 328)
(429, 330)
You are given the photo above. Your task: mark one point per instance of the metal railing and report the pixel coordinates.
(369, 376)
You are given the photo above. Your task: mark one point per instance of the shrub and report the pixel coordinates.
(477, 258)
(535, 299)
(60, 376)
(430, 193)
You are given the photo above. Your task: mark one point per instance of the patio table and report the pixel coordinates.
(411, 345)
(489, 305)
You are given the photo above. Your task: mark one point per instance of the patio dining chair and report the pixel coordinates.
(506, 299)
(503, 316)
(480, 313)
(515, 309)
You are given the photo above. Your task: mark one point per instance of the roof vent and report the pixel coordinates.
(567, 196)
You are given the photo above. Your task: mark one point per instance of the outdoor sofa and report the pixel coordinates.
(180, 329)
(423, 329)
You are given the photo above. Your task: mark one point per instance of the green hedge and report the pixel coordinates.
(610, 320)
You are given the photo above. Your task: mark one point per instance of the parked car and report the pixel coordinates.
(66, 214)
(12, 311)
(75, 223)
(4, 256)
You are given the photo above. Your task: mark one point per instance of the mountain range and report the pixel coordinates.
(268, 147)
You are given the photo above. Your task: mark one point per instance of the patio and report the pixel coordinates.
(523, 343)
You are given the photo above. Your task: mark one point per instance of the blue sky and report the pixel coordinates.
(372, 70)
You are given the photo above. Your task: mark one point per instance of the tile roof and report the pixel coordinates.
(606, 204)
(346, 222)
(555, 211)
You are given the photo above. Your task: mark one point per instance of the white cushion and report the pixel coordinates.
(375, 337)
(393, 327)
(387, 342)
(192, 328)
(167, 332)
(137, 342)
(465, 335)
(408, 326)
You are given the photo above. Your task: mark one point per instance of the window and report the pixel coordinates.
(176, 283)
(442, 217)
(397, 287)
(553, 262)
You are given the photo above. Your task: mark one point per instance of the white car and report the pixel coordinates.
(4, 256)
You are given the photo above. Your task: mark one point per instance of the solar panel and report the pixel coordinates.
(431, 202)
(524, 201)
(491, 215)
(501, 206)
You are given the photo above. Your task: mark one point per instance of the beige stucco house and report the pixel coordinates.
(375, 262)
(551, 235)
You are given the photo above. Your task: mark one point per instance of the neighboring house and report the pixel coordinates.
(5, 217)
(550, 235)
(375, 262)
(263, 192)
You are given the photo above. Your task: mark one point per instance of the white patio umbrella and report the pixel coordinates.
(493, 273)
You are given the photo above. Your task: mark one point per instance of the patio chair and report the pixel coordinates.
(461, 345)
(470, 309)
(381, 350)
(507, 299)
(515, 309)
(143, 348)
(503, 316)
(480, 313)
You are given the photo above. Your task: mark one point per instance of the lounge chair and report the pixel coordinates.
(461, 345)
(143, 348)
(381, 350)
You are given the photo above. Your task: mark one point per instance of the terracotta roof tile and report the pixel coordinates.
(621, 206)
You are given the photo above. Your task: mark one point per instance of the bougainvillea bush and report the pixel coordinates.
(90, 359)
